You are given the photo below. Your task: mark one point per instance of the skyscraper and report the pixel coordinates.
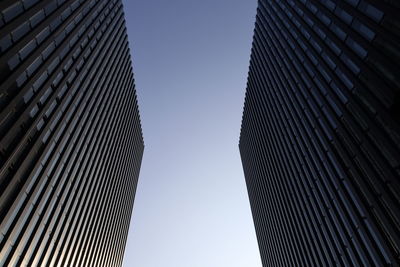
(320, 137)
(70, 135)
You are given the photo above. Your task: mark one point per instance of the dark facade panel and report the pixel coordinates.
(70, 136)
(320, 137)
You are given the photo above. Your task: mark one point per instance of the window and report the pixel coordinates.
(371, 11)
(13, 11)
(34, 66)
(356, 48)
(20, 31)
(37, 18)
(28, 95)
(24, 52)
(366, 32)
(346, 17)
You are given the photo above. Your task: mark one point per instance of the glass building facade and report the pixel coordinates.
(320, 137)
(70, 136)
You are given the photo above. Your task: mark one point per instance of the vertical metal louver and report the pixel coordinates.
(320, 137)
(70, 136)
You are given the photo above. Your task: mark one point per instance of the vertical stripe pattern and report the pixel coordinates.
(320, 137)
(70, 135)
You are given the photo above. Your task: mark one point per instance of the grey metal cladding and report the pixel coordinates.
(320, 137)
(70, 135)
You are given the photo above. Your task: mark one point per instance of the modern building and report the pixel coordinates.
(70, 135)
(320, 137)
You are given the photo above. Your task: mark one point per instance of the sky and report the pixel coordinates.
(190, 62)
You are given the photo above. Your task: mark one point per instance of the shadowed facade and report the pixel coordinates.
(320, 137)
(70, 136)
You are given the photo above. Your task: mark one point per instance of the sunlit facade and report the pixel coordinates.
(70, 136)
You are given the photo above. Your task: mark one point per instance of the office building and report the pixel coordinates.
(70, 135)
(320, 137)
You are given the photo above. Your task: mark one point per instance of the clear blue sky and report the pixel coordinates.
(190, 60)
